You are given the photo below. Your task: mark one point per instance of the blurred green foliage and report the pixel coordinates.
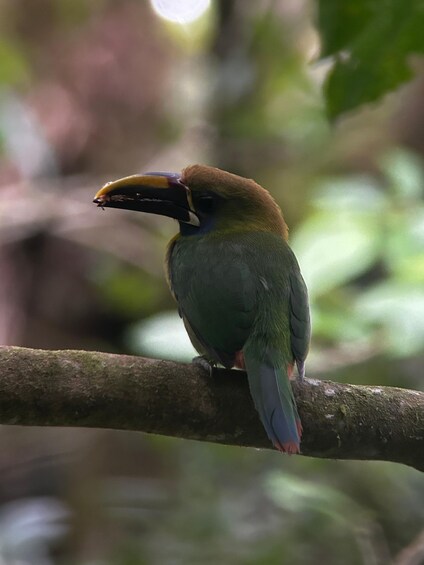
(372, 43)
(14, 68)
(361, 225)
(129, 291)
(361, 248)
(113, 89)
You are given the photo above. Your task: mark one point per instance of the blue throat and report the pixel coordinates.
(207, 224)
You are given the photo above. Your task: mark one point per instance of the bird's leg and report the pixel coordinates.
(203, 362)
(300, 370)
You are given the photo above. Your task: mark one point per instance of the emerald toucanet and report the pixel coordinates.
(236, 281)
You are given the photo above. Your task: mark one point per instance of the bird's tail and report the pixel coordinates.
(273, 397)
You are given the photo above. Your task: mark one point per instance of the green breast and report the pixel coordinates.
(232, 286)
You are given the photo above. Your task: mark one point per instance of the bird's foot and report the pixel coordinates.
(300, 371)
(204, 363)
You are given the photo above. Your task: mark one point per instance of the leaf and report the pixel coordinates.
(399, 309)
(162, 336)
(295, 494)
(340, 325)
(405, 172)
(341, 239)
(404, 246)
(341, 22)
(371, 42)
(334, 249)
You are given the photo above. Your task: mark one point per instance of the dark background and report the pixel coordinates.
(90, 91)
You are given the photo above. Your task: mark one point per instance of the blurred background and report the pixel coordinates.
(90, 91)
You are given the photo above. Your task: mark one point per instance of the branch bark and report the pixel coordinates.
(91, 389)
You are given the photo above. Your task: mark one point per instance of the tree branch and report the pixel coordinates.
(89, 389)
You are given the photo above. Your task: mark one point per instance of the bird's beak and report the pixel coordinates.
(155, 193)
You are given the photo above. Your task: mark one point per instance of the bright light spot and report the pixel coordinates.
(180, 11)
(162, 336)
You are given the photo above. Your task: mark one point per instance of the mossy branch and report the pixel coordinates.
(90, 389)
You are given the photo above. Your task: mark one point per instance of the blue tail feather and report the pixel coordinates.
(273, 397)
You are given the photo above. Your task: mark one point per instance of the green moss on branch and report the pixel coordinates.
(90, 389)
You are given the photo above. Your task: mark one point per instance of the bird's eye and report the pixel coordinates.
(205, 203)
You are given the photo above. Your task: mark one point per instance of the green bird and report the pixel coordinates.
(237, 283)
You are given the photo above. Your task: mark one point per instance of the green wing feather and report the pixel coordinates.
(300, 323)
(246, 293)
(216, 295)
(226, 288)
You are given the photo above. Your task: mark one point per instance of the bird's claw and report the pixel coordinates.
(300, 371)
(204, 363)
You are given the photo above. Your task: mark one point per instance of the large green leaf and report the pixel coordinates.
(371, 41)
(341, 22)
